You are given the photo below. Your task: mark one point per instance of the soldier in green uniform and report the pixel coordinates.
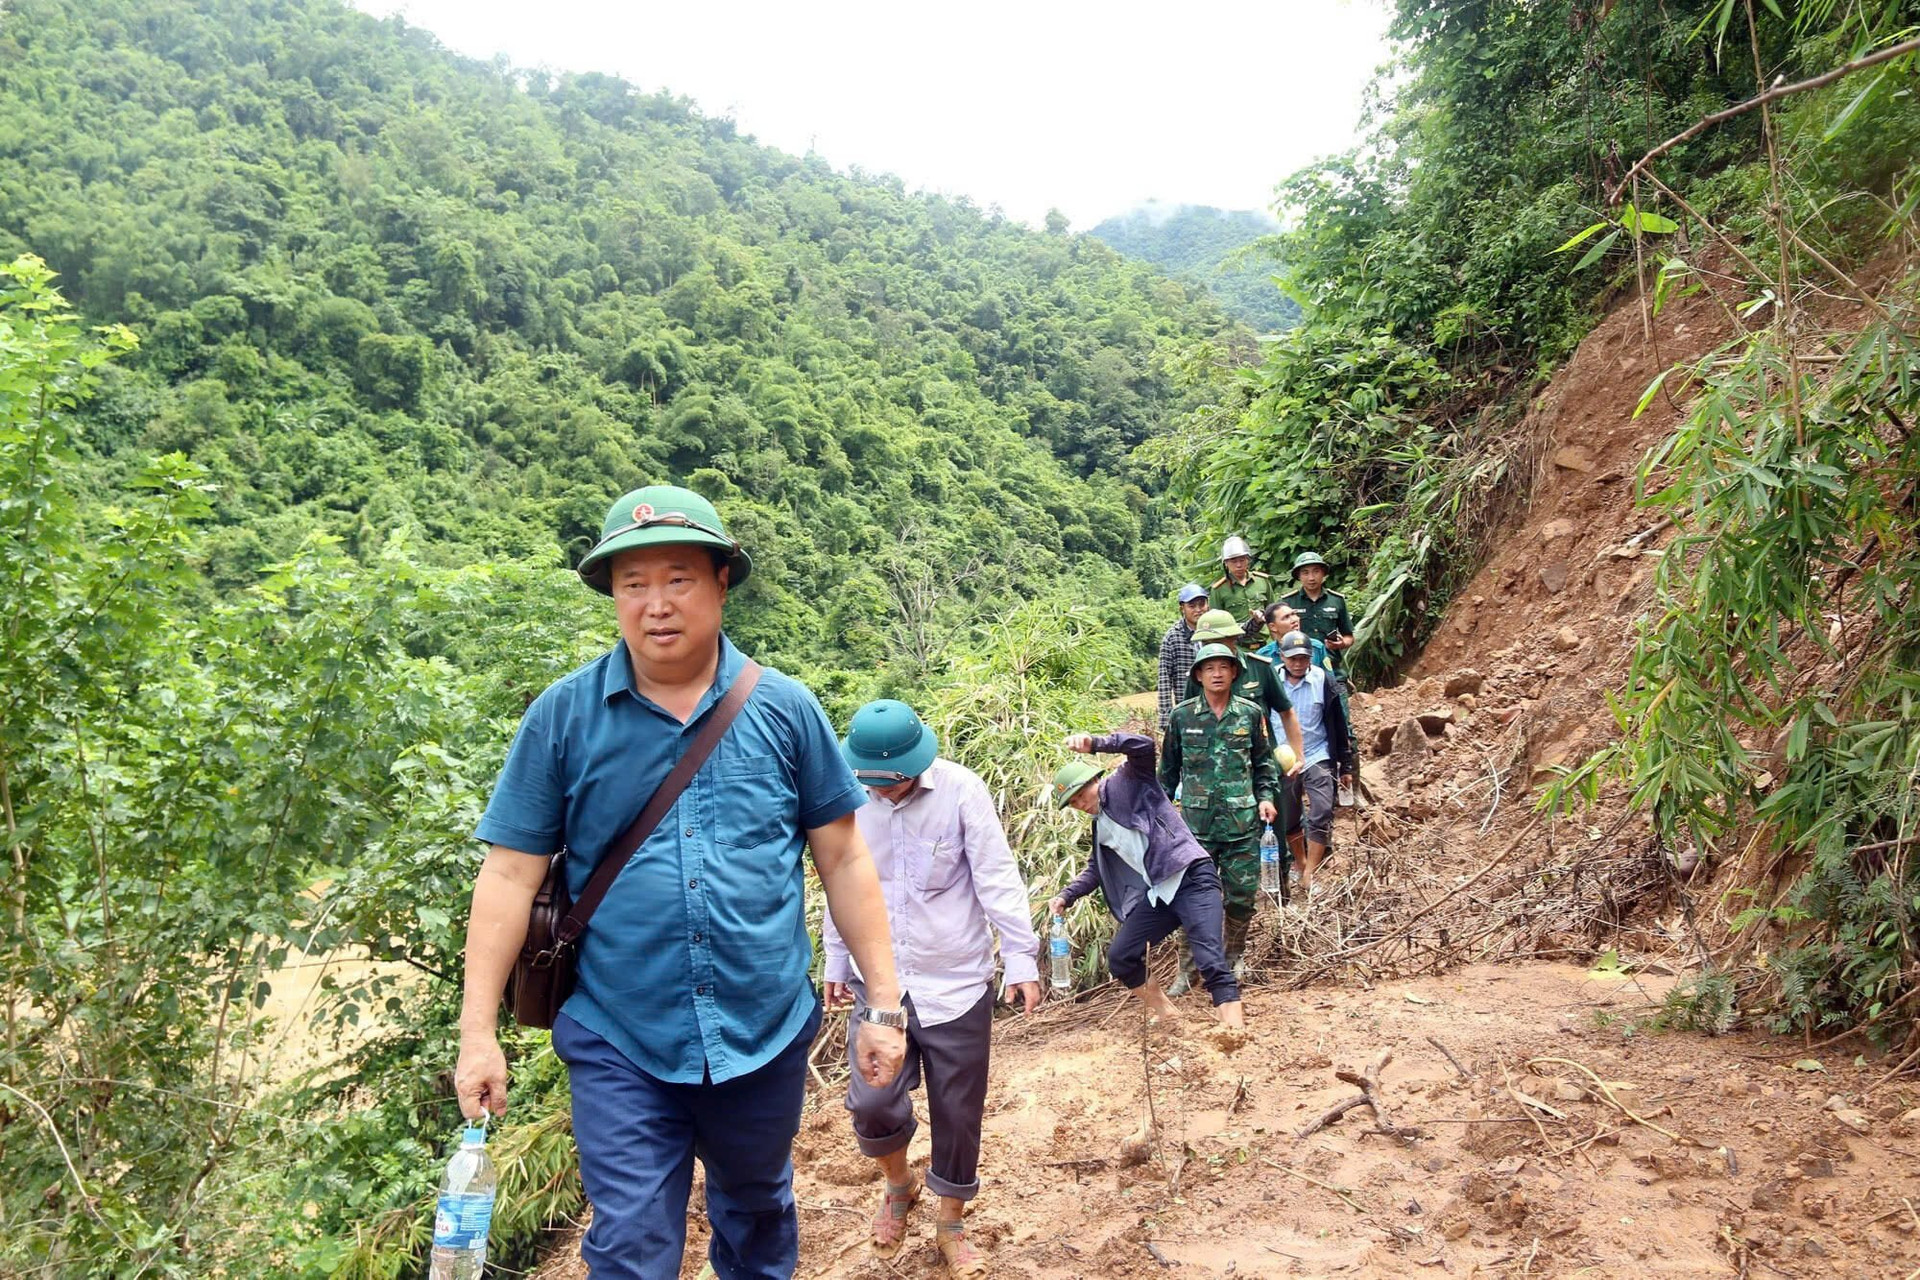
(1242, 588)
(1324, 617)
(1257, 682)
(1220, 755)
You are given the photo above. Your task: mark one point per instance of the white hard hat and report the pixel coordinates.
(1235, 546)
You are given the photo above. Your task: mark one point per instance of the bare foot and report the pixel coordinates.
(1159, 1008)
(1232, 1014)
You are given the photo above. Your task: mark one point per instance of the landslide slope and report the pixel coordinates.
(1558, 1132)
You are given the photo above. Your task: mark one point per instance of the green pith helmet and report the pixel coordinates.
(887, 743)
(1215, 624)
(660, 515)
(1306, 558)
(1207, 651)
(1072, 776)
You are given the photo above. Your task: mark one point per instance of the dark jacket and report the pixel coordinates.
(1333, 720)
(1132, 796)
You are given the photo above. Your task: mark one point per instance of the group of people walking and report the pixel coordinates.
(688, 1032)
(1298, 677)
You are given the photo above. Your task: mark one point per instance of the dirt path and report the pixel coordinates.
(1763, 1174)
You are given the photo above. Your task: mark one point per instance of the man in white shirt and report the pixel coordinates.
(949, 881)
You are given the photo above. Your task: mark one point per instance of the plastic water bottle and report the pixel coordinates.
(1270, 872)
(1060, 955)
(465, 1211)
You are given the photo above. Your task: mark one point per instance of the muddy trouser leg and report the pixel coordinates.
(1198, 907)
(1318, 786)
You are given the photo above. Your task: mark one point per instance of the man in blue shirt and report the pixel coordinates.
(1328, 763)
(689, 1029)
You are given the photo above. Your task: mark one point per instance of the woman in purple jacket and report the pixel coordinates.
(1155, 875)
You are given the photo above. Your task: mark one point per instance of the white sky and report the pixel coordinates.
(1090, 108)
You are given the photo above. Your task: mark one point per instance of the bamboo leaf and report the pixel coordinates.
(1594, 253)
(1847, 112)
(1653, 389)
(1579, 236)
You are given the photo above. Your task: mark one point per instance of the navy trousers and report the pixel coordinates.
(1197, 908)
(638, 1137)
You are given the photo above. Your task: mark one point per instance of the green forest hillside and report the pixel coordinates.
(378, 287)
(322, 352)
(1227, 252)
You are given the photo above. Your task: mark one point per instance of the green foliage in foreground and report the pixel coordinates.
(1228, 252)
(1777, 684)
(1772, 714)
(203, 801)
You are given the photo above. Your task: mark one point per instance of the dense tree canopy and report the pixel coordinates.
(381, 287)
(1230, 252)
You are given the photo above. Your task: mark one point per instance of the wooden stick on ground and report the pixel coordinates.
(1464, 1073)
(1324, 1186)
(1616, 1104)
(1369, 1096)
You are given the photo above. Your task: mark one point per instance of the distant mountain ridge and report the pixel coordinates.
(1192, 241)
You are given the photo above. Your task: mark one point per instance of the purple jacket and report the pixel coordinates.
(1132, 796)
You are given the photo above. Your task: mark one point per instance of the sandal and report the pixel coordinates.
(890, 1221)
(963, 1260)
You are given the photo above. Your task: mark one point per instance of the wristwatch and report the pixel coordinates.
(895, 1018)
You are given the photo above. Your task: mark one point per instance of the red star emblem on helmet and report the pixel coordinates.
(643, 513)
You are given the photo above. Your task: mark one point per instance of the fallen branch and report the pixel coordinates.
(1464, 1073)
(1368, 1083)
(1614, 1102)
(1701, 125)
(1324, 1186)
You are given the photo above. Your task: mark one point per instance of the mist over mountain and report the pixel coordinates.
(1214, 248)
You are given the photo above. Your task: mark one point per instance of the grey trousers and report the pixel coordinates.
(953, 1057)
(1310, 796)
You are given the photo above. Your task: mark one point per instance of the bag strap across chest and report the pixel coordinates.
(683, 772)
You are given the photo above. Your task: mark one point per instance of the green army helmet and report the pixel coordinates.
(1070, 777)
(1306, 558)
(1215, 624)
(887, 743)
(1207, 651)
(660, 515)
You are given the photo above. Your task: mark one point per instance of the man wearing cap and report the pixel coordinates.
(1154, 875)
(690, 1024)
(1256, 681)
(1328, 762)
(1323, 616)
(1176, 650)
(1219, 754)
(1242, 588)
(950, 883)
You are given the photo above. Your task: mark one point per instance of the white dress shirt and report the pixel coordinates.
(947, 875)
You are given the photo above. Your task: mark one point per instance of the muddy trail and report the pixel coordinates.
(1503, 975)
(1538, 1128)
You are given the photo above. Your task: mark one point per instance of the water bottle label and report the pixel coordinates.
(1057, 946)
(461, 1221)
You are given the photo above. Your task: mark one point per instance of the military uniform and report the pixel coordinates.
(1257, 683)
(1322, 619)
(1240, 600)
(1224, 768)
